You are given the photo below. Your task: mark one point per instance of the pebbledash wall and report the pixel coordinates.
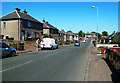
(12, 29)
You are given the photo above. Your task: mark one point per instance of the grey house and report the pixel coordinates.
(21, 26)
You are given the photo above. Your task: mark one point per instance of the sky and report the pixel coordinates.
(73, 16)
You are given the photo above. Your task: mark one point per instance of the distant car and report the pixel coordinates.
(77, 44)
(83, 41)
(48, 43)
(7, 50)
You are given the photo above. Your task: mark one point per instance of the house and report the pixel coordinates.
(70, 36)
(21, 26)
(62, 35)
(91, 35)
(109, 38)
(102, 39)
(76, 38)
(50, 30)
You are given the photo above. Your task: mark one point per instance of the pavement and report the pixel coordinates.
(98, 70)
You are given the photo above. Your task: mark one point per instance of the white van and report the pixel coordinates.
(48, 43)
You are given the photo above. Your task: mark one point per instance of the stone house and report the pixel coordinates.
(76, 37)
(91, 35)
(21, 26)
(50, 30)
(62, 35)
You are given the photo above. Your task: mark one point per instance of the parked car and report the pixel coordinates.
(7, 50)
(48, 43)
(77, 44)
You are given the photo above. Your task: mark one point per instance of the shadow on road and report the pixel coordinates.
(8, 56)
(114, 76)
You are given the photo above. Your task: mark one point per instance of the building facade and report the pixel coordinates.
(21, 26)
(50, 30)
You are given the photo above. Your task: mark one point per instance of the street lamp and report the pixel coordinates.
(97, 20)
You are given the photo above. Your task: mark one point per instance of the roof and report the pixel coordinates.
(46, 25)
(111, 36)
(62, 32)
(19, 15)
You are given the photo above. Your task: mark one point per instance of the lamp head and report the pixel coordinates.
(93, 7)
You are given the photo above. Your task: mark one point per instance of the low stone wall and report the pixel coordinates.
(114, 58)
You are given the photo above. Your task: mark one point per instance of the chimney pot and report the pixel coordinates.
(43, 20)
(25, 11)
(17, 9)
(46, 21)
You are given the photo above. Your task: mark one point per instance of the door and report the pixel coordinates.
(22, 35)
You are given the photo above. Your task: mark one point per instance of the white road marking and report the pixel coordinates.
(16, 66)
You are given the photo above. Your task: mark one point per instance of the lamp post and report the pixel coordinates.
(97, 20)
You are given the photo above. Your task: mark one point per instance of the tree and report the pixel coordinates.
(105, 33)
(80, 33)
(69, 31)
(93, 32)
(116, 39)
(99, 35)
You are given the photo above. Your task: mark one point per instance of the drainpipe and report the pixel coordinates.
(18, 29)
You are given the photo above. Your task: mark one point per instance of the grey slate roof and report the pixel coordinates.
(48, 26)
(111, 36)
(62, 32)
(19, 15)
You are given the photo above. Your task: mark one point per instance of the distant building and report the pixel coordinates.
(109, 38)
(76, 37)
(20, 26)
(62, 35)
(91, 35)
(50, 30)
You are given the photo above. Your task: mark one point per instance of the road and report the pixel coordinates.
(68, 63)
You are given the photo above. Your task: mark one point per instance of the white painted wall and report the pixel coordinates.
(106, 45)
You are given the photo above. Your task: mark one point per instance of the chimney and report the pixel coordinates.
(46, 21)
(25, 11)
(114, 32)
(43, 20)
(17, 9)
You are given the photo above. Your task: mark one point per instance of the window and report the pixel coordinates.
(29, 24)
(4, 45)
(4, 24)
(21, 22)
(29, 34)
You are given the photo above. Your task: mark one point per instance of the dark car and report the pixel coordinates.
(6, 50)
(77, 44)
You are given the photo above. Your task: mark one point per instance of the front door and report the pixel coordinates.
(22, 35)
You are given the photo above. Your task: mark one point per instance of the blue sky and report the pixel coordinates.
(73, 16)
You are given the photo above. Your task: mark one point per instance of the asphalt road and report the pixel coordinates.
(68, 63)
